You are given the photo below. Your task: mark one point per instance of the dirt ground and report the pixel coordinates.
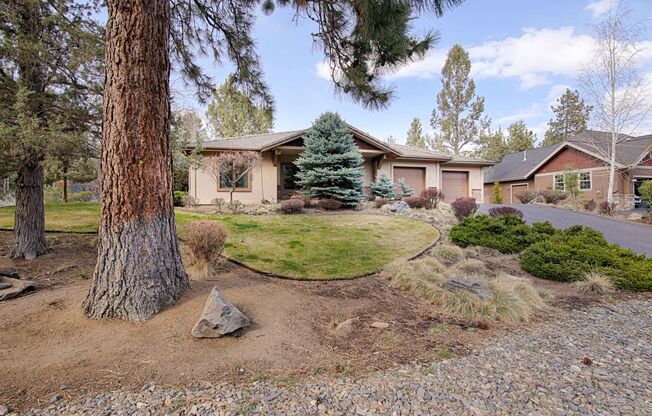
(47, 342)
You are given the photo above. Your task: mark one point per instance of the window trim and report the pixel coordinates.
(555, 183)
(249, 177)
(590, 180)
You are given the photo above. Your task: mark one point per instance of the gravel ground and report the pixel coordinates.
(596, 361)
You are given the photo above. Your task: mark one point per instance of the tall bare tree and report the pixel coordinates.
(614, 84)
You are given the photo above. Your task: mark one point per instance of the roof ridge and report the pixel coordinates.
(254, 135)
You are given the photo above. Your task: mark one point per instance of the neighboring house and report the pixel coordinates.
(543, 168)
(274, 178)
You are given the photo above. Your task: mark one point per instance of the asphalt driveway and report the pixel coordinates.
(637, 237)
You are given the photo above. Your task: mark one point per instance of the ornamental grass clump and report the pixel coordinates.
(447, 253)
(206, 240)
(595, 282)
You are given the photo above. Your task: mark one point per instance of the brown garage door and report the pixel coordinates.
(415, 178)
(517, 189)
(454, 185)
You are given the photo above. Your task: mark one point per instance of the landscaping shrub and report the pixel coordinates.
(569, 254)
(329, 204)
(506, 233)
(549, 196)
(415, 201)
(498, 193)
(561, 195)
(447, 253)
(189, 201)
(84, 196)
(464, 207)
(606, 208)
(498, 211)
(379, 202)
(594, 282)
(470, 267)
(382, 187)
(307, 202)
(526, 197)
(178, 198)
(432, 197)
(206, 240)
(590, 205)
(291, 206)
(405, 190)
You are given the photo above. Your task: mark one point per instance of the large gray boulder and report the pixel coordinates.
(480, 288)
(399, 206)
(219, 317)
(7, 267)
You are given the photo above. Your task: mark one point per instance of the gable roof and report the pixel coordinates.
(268, 141)
(520, 166)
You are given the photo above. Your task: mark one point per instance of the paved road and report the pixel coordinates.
(634, 236)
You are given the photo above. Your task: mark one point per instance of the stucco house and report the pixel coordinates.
(274, 178)
(543, 168)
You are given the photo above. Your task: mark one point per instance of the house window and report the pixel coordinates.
(559, 182)
(230, 173)
(289, 176)
(585, 181)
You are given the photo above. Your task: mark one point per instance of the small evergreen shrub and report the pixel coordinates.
(291, 206)
(526, 197)
(498, 193)
(505, 233)
(382, 187)
(498, 211)
(606, 208)
(464, 207)
(549, 196)
(569, 254)
(590, 205)
(379, 202)
(206, 240)
(178, 198)
(329, 204)
(404, 189)
(415, 201)
(562, 196)
(433, 197)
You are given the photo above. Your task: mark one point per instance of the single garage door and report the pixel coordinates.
(454, 185)
(415, 178)
(517, 189)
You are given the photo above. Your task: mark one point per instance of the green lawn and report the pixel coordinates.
(300, 246)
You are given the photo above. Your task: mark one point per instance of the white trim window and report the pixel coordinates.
(558, 184)
(585, 181)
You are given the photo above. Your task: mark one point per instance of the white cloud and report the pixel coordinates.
(533, 58)
(555, 92)
(323, 70)
(534, 111)
(600, 7)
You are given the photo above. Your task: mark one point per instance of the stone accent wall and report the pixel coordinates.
(624, 202)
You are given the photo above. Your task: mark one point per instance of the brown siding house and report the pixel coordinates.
(586, 153)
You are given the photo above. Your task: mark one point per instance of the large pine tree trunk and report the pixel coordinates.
(29, 225)
(139, 269)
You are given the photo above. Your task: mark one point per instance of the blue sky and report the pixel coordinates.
(523, 53)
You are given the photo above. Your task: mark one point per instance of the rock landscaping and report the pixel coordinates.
(219, 317)
(594, 361)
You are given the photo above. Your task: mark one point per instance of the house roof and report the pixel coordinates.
(521, 165)
(268, 141)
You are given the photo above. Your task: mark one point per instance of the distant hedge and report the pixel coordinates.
(570, 253)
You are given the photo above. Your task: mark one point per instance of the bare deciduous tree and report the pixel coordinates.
(614, 84)
(228, 169)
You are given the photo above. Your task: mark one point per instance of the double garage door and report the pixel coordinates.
(454, 185)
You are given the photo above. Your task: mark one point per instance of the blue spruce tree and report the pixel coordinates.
(383, 187)
(331, 167)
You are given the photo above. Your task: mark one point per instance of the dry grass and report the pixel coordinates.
(447, 253)
(514, 299)
(594, 282)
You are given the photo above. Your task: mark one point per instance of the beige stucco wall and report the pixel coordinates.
(599, 184)
(432, 169)
(263, 184)
(508, 191)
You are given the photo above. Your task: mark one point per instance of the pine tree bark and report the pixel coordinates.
(29, 223)
(139, 269)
